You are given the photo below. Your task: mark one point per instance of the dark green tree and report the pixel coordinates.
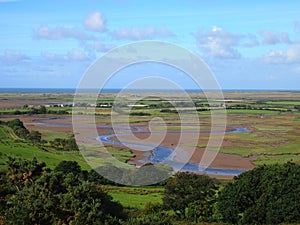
(98, 179)
(159, 218)
(188, 189)
(65, 144)
(68, 167)
(90, 205)
(297, 107)
(73, 167)
(42, 110)
(264, 195)
(24, 172)
(32, 194)
(15, 123)
(34, 136)
(18, 127)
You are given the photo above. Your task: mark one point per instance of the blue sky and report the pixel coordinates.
(247, 44)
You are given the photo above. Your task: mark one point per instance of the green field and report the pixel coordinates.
(12, 146)
(136, 197)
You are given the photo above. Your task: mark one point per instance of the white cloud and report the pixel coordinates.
(277, 56)
(59, 32)
(74, 55)
(218, 42)
(95, 22)
(77, 55)
(12, 56)
(291, 55)
(270, 37)
(138, 33)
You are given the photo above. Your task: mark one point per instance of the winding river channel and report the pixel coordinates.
(162, 154)
(159, 153)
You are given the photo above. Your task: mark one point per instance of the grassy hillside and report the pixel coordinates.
(11, 145)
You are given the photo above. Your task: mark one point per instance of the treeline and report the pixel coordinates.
(34, 111)
(68, 144)
(263, 105)
(282, 108)
(139, 113)
(69, 195)
(22, 132)
(35, 137)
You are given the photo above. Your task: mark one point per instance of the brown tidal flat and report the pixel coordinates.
(64, 124)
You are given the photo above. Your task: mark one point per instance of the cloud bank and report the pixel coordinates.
(95, 22)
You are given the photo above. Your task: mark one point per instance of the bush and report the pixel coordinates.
(139, 114)
(52, 197)
(187, 191)
(264, 195)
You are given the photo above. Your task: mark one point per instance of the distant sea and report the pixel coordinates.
(116, 90)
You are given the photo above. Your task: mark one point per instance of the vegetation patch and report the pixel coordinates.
(136, 197)
(12, 145)
(121, 154)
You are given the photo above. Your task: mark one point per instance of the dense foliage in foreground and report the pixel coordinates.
(30, 193)
(265, 195)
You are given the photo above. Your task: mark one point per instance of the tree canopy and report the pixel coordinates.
(186, 190)
(32, 194)
(264, 195)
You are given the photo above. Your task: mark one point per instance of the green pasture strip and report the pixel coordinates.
(251, 111)
(244, 150)
(50, 135)
(136, 197)
(290, 148)
(11, 110)
(65, 108)
(272, 128)
(105, 99)
(272, 159)
(28, 110)
(283, 102)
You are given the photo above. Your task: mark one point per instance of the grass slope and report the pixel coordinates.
(136, 197)
(10, 145)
